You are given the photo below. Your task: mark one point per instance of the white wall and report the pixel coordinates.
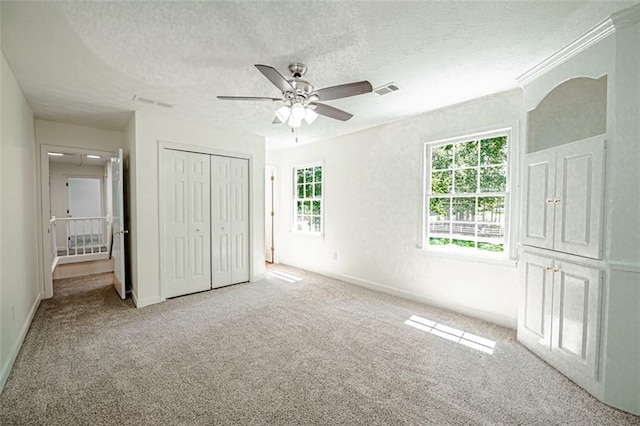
(373, 197)
(72, 136)
(19, 272)
(150, 130)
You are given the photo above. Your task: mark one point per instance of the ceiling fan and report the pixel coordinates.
(301, 99)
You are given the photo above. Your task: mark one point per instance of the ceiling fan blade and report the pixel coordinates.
(331, 112)
(276, 78)
(344, 90)
(247, 98)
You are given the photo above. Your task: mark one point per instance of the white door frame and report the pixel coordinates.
(162, 147)
(46, 287)
(275, 256)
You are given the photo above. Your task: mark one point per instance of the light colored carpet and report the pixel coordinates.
(315, 351)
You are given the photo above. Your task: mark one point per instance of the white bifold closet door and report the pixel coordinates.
(229, 220)
(187, 212)
(206, 222)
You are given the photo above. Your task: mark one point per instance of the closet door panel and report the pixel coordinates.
(176, 223)
(199, 226)
(240, 220)
(221, 221)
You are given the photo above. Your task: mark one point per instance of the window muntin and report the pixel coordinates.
(308, 189)
(467, 194)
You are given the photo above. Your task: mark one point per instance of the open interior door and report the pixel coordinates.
(118, 229)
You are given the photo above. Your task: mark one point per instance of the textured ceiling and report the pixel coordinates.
(83, 62)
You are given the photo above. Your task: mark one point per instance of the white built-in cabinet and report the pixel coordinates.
(579, 244)
(205, 222)
(563, 198)
(560, 313)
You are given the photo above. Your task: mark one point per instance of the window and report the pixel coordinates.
(308, 198)
(466, 193)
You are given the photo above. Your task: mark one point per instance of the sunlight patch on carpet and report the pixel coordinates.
(286, 276)
(453, 334)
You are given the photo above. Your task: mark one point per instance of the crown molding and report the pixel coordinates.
(626, 17)
(603, 29)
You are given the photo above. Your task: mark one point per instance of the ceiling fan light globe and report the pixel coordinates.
(298, 112)
(293, 122)
(283, 113)
(310, 116)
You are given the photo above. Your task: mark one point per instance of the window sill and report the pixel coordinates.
(307, 234)
(462, 254)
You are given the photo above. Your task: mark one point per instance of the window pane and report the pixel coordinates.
(493, 150)
(300, 191)
(466, 181)
(439, 229)
(463, 209)
(491, 209)
(493, 179)
(441, 182)
(299, 207)
(439, 209)
(300, 174)
(441, 157)
(307, 207)
(439, 241)
(466, 154)
(317, 190)
(316, 223)
(308, 191)
(490, 247)
(490, 231)
(317, 174)
(463, 243)
(308, 174)
(316, 207)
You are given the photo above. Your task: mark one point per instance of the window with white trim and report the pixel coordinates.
(466, 194)
(307, 202)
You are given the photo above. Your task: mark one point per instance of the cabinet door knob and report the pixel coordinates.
(548, 268)
(556, 201)
(549, 200)
(556, 269)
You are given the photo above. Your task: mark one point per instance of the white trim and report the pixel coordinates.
(141, 303)
(460, 253)
(626, 17)
(8, 365)
(587, 39)
(624, 267)
(75, 258)
(498, 319)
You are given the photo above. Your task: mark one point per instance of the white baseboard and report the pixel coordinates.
(475, 313)
(8, 365)
(141, 303)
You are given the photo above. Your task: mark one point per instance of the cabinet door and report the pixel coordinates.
(576, 314)
(539, 189)
(579, 196)
(534, 310)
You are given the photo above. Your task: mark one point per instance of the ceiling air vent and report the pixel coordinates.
(148, 101)
(387, 88)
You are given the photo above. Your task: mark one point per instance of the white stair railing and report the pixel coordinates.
(76, 239)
